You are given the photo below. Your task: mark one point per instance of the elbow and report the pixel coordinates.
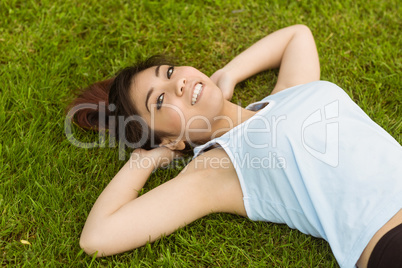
(89, 245)
(302, 27)
(92, 244)
(302, 30)
(101, 242)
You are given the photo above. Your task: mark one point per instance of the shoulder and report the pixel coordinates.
(309, 92)
(315, 86)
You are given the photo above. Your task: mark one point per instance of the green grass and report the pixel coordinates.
(51, 48)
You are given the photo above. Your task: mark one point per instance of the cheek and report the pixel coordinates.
(172, 120)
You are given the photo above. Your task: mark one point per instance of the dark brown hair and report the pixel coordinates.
(120, 114)
(88, 118)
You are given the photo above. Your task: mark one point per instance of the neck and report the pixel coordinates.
(231, 116)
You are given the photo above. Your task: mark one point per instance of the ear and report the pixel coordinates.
(173, 145)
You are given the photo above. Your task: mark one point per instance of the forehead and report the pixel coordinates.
(143, 80)
(140, 86)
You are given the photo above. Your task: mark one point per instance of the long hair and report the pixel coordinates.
(95, 94)
(108, 105)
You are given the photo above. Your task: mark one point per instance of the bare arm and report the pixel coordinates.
(119, 221)
(292, 49)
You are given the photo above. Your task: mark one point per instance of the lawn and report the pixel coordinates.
(49, 49)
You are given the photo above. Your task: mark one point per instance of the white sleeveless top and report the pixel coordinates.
(312, 159)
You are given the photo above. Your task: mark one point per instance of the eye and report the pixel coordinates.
(170, 71)
(159, 101)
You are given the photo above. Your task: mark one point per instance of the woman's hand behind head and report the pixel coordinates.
(158, 157)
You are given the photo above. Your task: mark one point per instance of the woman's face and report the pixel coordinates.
(181, 101)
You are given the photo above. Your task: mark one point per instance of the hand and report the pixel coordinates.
(158, 157)
(225, 82)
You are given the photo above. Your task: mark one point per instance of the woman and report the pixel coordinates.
(306, 155)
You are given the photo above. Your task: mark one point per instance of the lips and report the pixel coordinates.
(196, 93)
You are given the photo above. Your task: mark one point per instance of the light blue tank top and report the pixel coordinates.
(314, 160)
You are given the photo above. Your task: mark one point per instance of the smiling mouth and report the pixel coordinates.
(197, 91)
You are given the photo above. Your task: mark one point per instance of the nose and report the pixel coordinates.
(180, 87)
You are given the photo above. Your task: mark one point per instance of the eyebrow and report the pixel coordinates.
(152, 89)
(157, 70)
(148, 95)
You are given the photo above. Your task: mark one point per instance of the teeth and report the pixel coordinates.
(197, 90)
